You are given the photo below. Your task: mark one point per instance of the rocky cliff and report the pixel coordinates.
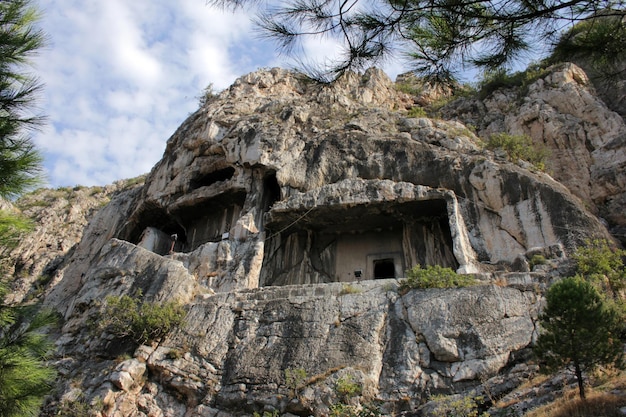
(585, 139)
(283, 215)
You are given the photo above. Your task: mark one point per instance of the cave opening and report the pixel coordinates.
(213, 177)
(153, 228)
(271, 191)
(185, 229)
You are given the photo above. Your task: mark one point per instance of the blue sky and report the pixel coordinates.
(120, 76)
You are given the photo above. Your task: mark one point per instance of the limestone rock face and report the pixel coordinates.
(234, 350)
(59, 219)
(586, 140)
(282, 215)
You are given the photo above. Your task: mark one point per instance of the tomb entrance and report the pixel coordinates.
(343, 243)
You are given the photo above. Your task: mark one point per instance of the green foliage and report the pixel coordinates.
(502, 79)
(20, 167)
(343, 410)
(131, 182)
(347, 388)
(409, 88)
(350, 289)
(24, 376)
(95, 190)
(440, 39)
(456, 406)
(142, 322)
(600, 41)
(347, 410)
(416, 112)
(537, 260)
(446, 95)
(207, 96)
(434, 277)
(20, 163)
(294, 379)
(579, 330)
(12, 227)
(602, 263)
(174, 354)
(519, 147)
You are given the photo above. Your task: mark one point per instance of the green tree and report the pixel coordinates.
(24, 376)
(600, 41)
(440, 37)
(20, 162)
(602, 263)
(578, 330)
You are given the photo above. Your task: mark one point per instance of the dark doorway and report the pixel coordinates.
(384, 268)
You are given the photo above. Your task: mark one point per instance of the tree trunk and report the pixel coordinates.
(579, 378)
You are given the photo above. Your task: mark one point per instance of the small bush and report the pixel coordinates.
(453, 406)
(416, 112)
(434, 277)
(601, 263)
(497, 79)
(131, 182)
(350, 289)
(174, 354)
(207, 96)
(96, 190)
(142, 322)
(294, 379)
(347, 388)
(537, 260)
(410, 88)
(519, 147)
(345, 410)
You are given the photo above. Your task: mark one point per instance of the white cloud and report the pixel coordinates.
(121, 76)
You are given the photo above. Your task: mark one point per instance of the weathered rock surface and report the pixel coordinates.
(586, 140)
(59, 219)
(282, 215)
(233, 351)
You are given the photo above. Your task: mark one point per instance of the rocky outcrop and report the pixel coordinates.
(283, 214)
(233, 352)
(586, 140)
(340, 159)
(59, 217)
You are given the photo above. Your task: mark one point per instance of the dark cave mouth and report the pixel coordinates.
(378, 240)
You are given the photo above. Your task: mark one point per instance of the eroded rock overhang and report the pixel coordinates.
(363, 229)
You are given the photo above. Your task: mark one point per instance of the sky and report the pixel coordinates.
(120, 76)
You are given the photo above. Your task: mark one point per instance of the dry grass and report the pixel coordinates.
(596, 405)
(603, 400)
